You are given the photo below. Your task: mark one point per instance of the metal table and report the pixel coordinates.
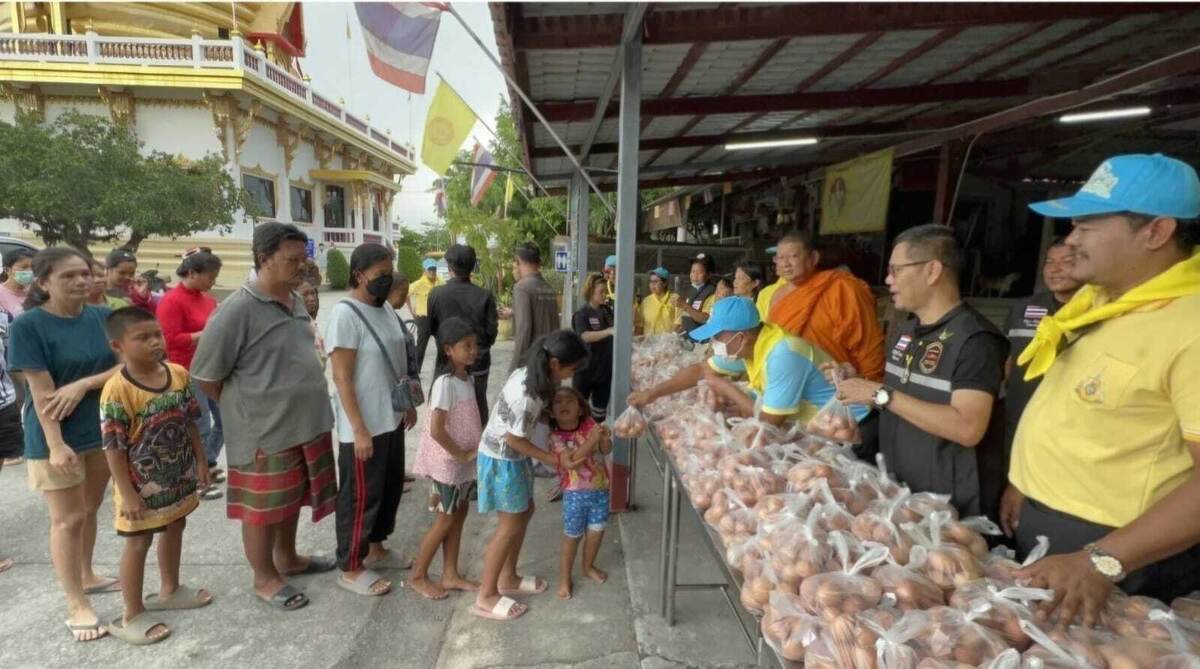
(673, 500)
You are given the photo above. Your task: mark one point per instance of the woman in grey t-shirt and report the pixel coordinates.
(366, 345)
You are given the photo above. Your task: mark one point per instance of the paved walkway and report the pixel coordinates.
(610, 625)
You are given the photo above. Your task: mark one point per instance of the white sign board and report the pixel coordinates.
(560, 261)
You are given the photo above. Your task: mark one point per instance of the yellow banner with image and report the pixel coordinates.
(854, 196)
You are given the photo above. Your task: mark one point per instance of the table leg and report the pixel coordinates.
(673, 559)
(666, 538)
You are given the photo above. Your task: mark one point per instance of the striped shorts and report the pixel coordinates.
(274, 487)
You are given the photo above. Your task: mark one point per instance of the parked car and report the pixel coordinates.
(9, 243)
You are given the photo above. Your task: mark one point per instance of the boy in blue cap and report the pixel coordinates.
(1104, 458)
(783, 370)
(418, 305)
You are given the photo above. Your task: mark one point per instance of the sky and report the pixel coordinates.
(340, 69)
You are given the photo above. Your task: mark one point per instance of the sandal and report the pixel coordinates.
(502, 611)
(136, 633)
(362, 584)
(183, 598)
(77, 628)
(111, 585)
(211, 492)
(317, 564)
(287, 598)
(530, 585)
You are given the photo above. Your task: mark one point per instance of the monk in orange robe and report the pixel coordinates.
(830, 308)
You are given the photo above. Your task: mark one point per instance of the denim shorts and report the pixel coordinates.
(584, 510)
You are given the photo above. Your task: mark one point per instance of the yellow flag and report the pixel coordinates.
(508, 190)
(449, 122)
(854, 197)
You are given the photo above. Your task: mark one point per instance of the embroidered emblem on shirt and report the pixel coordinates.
(931, 358)
(1090, 389)
(594, 322)
(1102, 181)
(900, 347)
(945, 335)
(698, 304)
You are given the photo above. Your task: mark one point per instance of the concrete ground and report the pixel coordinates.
(611, 625)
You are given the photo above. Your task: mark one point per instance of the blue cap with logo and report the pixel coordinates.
(730, 314)
(610, 261)
(661, 272)
(429, 263)
(1151, 185)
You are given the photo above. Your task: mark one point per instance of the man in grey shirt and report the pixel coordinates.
(534, 304)
(258, 358)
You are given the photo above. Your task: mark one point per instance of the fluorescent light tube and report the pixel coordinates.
(771, 143)
(1084, 117)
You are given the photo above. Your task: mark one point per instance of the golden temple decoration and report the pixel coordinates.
(243, 123)
(222, 107)
(121, 106)
(323, 151)
(288, 139)
(28, 101)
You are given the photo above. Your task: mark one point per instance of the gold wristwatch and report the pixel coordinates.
(1108, 566)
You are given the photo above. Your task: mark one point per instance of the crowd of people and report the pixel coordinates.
(1077, 422)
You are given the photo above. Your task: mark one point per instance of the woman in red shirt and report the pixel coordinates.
(183, 313)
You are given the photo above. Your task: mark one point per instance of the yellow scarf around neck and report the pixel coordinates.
(1180, 280)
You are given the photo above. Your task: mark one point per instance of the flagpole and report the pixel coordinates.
(487, 127)
(532, 107)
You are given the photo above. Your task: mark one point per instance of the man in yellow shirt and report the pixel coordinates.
(418, 305)
(1104, 458)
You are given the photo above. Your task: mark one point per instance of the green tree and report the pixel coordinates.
(408, 261)
(338, 271)
(83, 180)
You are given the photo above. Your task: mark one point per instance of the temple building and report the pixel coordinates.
(206, 77)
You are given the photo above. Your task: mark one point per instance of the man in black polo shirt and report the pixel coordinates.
(695, 302)
(459, 297)
(943, 371)
(1023, 320)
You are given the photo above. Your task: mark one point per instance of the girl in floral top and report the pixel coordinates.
(579, 445)
(447, 458)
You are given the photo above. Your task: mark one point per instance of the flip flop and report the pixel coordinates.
(211, 492)
(216, 475)
(361, 585)
(317, 564)
(530, 585)
(5, 564)
(392, 561)
(111, 585)
(502, 611)
(183, 598)
(135, 632)
(86, 627)
(284, 595)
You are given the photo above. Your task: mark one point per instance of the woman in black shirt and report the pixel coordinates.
(594, 323)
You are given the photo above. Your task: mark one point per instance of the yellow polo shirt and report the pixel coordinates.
(659, 315)
(1104, 436)
(418, 294)
(763, 303)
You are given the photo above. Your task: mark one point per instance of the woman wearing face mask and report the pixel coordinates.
(366, 347)
(18, 274)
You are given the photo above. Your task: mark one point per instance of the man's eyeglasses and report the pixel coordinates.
(893, 270)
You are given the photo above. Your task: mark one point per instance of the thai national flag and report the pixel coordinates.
(399, 37)
(481, 177)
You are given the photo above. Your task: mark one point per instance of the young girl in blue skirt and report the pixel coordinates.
(505, 472)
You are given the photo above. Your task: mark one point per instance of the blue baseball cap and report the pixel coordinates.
(1152, 185)
(610, 261)
(661, 272)
(429, 263)
(730, 314)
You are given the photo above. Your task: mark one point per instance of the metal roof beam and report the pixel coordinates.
(741, 104)
(754, 22)
(632, 24)
(1179, 63)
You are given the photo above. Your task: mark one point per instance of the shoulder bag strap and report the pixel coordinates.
(382, 348)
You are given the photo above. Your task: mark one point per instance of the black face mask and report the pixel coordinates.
(379, 287)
